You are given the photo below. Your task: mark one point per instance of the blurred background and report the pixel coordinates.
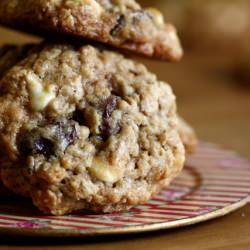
(215, 24)
(212, 82)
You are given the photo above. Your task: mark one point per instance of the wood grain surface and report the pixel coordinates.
(219, 109)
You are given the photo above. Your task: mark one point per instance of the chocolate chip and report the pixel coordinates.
(71, 135)
(36, 145)
(78, 116)
(106, 129)
(66, 135)
(51, 139)
(120, 22)
(43, 146)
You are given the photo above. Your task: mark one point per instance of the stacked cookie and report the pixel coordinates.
(82, 127)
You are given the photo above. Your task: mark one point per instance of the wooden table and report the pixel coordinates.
(219, 109)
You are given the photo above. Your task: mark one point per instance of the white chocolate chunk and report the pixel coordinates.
(157, 15)
(95, 6)
(40, 96)
(103, 171)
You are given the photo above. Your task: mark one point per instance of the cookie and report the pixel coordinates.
(85, 128)
(119, 23)
(11, 54)
(187, 135)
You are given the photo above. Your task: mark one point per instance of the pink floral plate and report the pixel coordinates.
(213, 183)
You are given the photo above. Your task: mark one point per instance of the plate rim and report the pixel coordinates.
(49, 232)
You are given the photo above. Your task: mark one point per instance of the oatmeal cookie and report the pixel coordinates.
(119, 23)
(11, 54)
(85, 128)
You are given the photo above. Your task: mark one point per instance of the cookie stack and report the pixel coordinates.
(82, 127)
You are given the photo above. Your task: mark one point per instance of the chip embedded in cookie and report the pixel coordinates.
(121, 24)
(84, 128)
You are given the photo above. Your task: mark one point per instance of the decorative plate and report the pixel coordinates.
(214, 182)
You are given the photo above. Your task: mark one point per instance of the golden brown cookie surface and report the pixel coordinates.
(84, 128)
